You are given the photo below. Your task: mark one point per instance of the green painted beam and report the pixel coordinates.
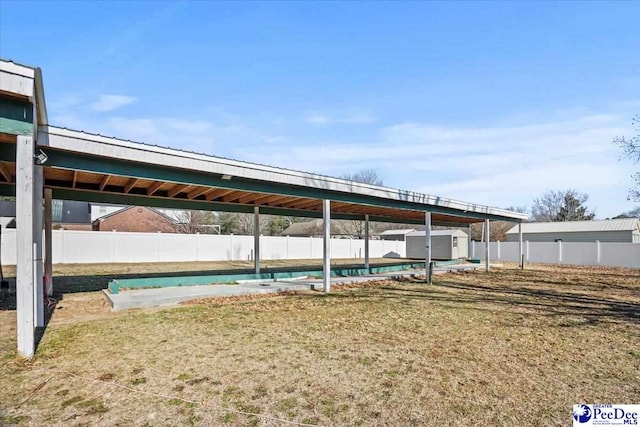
(164, 282)
(15, 127)
(85, 162)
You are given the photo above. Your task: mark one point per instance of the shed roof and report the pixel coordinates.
(403, 231)
(621, 224)
(438, 233)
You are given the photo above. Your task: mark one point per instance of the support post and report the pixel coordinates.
(427, 252)
(487, 239)
(469, 244)
(24, 248)
(520, 253)
(326, 234)
(366, 243)
(256, 238)
(38, 266)
(48, 244)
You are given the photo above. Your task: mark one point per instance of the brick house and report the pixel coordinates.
(135, 219)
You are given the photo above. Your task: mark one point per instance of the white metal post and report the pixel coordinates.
(366, 243)
(256, 238)
(25, 242)
(520, 253)
(427, 252)
(487, 239)
(469, 245)
(326, 234)
(38, 267)
(48, 244)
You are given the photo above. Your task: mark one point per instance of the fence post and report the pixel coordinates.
(527, 246)
(288, 246)
(559, 250)
(114, 245)
(197, 246)
(473, 249)
(498, 257)
(597, 251)
(231, 247)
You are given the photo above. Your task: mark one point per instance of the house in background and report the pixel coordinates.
(400, 234)
(139, 219)
(609, 230)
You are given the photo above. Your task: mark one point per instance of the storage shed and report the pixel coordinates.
(610, 230)
(445, 244)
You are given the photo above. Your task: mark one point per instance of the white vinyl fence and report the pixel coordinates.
(578, 253)
(70, 247)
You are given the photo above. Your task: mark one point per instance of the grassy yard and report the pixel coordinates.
(509, 347)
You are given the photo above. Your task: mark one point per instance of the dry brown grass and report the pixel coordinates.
(509, 347)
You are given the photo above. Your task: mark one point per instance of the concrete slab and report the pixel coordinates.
(174, 295)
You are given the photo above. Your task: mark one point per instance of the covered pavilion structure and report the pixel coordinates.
(39, 162)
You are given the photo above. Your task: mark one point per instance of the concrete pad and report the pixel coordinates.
(174, 295)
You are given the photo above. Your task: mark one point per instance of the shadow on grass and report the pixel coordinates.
(543, 302)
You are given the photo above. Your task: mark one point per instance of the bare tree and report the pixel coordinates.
(565, 205)
(192, 221)
(631, 150)
(364, 176)
(356, 228)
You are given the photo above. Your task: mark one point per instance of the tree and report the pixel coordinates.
(633, 213)
(364, 176)
(566, 205)
(192, 221)
(356, 228)
(631, 150)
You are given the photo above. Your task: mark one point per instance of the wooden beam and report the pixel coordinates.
(299, 201)
(178, 189)
(286, 201)
(252, 197)
(154, 187)
(218, 193)
(233, 196)
(74, 179)
(104, 182)
(199, 192)
(4, 171)
(306, 204)
(132, 183)
(268, 197)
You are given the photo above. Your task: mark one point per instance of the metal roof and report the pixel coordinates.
(621, 224)
(395, 232)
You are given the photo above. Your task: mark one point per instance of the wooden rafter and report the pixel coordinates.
(266, 198)
(199, 192)
(74, 179)
(306, 204)
(132, 183)
(104, 182)
(154, 187)
(178, 189)
(4, 171)
(232, 197)
(216, 194)
(249, 198)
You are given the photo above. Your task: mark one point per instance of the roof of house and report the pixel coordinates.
(621, 224)
(102, 218)
(438, 233)
(403, 231)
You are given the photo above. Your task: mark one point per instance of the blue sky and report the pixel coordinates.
(493, 103)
